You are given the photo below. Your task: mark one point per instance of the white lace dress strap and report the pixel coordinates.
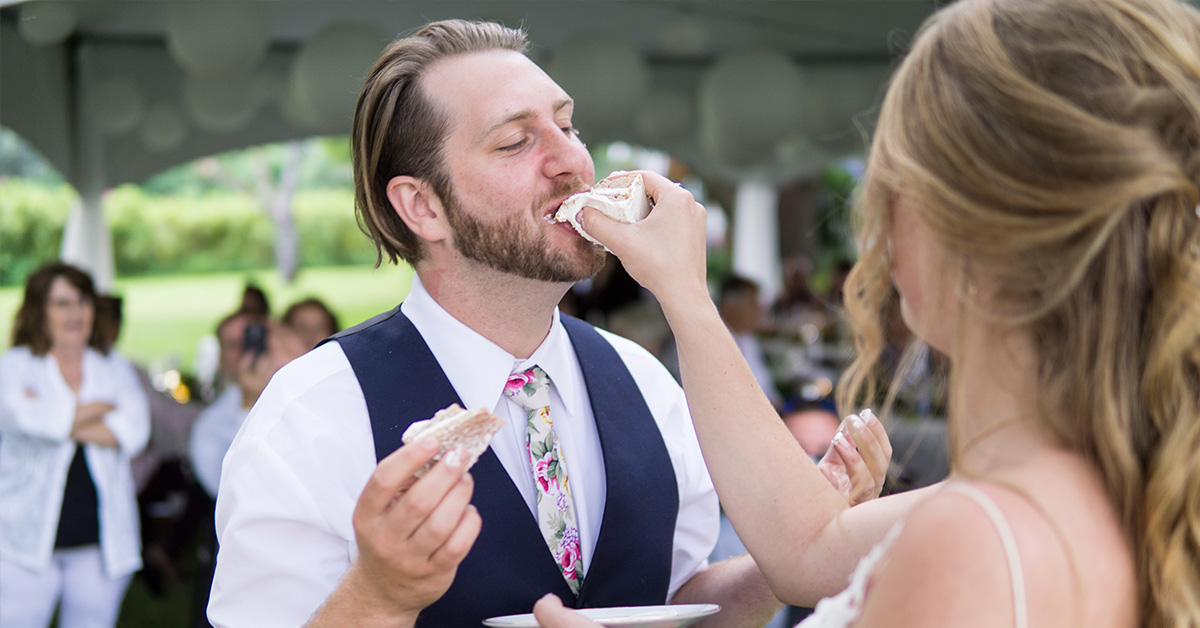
(1009, 541)
(843, 609)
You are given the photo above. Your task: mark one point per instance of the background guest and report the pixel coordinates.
(254, 301)
(72, 415)
(312, 321)
(242, 374)
(813, 426)
(738, 304)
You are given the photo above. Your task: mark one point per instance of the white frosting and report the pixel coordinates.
(620, 195)
(455, 428)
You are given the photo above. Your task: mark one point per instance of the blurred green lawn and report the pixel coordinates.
(165, 317)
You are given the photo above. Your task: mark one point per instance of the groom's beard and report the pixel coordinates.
(518, 244)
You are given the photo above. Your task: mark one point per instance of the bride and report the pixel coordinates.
(1030, 205)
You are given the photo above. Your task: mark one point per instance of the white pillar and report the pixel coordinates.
(87, 243)
(756, 235)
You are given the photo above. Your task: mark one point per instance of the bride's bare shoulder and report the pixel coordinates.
(949, 566)
(946, 568)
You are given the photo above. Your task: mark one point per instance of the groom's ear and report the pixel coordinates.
(415, 202)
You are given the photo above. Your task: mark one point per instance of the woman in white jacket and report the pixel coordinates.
(71, 417)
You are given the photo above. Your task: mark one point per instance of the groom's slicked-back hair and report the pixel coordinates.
(397, 130)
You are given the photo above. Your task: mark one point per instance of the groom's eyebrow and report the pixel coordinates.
(523, 115)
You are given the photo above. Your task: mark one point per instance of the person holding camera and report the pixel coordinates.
(253, 347)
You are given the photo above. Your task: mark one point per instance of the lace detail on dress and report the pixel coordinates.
(844, 608)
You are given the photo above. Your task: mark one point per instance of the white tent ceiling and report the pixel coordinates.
(93, 85)
(113, 91)
(760, 92)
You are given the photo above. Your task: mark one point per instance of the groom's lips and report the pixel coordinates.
(550, 214)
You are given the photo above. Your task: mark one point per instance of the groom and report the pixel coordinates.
(462, 149)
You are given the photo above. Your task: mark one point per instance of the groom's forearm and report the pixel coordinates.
(739, 587)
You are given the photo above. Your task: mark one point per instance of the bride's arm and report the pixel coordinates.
(798, 528)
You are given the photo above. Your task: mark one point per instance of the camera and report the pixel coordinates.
(255, 341)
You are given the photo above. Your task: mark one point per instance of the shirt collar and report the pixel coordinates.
(557, 358)
(478, 368)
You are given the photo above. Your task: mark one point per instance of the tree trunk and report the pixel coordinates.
(287, 244)
(277, 200)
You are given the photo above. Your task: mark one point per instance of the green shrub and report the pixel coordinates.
(32, 216)
(329, 236)
(164, 234)
(154, 234)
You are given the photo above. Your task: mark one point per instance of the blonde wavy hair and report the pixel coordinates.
(1056, 143)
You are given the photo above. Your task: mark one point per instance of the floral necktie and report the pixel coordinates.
(556, 513)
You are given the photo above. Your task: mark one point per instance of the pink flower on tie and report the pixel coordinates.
(541, 471)
(516, 382)
(570, 556)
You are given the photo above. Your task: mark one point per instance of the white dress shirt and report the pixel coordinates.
(304, 454)
(37, 412)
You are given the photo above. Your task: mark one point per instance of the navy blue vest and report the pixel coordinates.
(510, 567)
